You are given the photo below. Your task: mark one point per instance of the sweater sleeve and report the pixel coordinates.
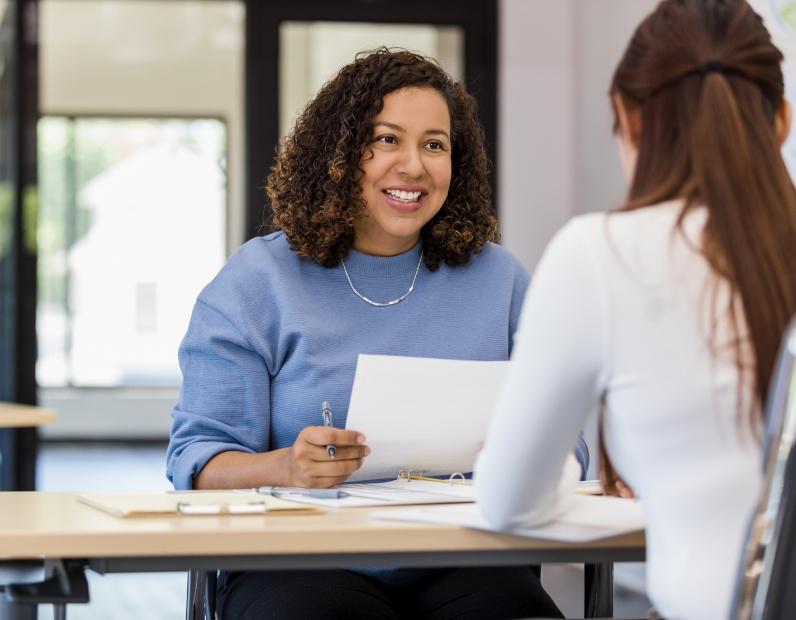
(553, 384)
(224, 401)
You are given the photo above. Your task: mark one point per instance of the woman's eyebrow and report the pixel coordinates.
(438, 132)
(394, 127)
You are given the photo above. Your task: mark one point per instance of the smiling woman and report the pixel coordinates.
(407, 170)
(385, 246)
(327, 183)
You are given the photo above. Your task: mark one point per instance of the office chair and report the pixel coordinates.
(200, 601)
(768, 564)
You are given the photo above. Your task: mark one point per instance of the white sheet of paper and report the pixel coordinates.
(391, 493)
(423, 414)
(588, 518)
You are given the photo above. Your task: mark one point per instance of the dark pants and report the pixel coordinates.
(462, 593)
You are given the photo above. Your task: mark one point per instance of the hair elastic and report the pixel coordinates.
(711, 66)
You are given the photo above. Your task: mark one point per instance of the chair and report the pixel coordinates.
(768, 564)
(201, 595)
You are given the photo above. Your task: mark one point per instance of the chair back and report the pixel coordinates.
(768, 563)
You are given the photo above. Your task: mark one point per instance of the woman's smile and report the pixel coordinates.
(405, 198)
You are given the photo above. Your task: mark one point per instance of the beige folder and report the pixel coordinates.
(192, 503)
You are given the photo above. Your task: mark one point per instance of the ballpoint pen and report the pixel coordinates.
(317, 493)
(326, 412)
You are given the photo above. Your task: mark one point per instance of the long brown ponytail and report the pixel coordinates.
(706, 80)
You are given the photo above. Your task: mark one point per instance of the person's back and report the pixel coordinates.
(671, 397)
(666, 314)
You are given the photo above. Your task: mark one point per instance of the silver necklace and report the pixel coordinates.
(383, 304)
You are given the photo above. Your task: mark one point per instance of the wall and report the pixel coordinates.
(557, 155)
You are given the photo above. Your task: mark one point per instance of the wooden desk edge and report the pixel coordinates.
(15, 415)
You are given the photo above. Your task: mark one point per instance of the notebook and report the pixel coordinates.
(191, 503)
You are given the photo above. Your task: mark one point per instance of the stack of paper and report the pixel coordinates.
(589, 518)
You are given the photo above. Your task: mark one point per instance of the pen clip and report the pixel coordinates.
(326, 411)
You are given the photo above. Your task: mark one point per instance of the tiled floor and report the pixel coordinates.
(161, 596)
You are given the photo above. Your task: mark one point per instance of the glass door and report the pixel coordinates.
(141, 183)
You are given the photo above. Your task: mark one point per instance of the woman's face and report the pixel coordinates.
(407, 171)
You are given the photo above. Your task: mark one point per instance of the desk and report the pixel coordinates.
(38, 526)
(13, 415)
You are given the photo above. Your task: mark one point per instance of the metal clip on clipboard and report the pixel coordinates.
(416, 474)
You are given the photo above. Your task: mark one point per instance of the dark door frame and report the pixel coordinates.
(477, 18)
(18, 335)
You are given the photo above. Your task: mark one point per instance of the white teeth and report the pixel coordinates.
(402, 195)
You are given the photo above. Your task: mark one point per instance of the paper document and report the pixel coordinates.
(423, 414)
(588, 518)
(392, 493)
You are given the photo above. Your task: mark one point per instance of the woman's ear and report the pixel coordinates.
(783, 120)
(628, 131)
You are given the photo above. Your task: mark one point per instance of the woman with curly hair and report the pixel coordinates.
(384, 246)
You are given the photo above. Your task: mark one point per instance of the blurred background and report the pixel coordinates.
(135, 138)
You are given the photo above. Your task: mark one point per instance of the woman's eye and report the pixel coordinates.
(435, 146)
(387, 139)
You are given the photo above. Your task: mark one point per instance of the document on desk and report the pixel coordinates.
(402, 492)
(588, 518)
(422, 414)
(389, 493)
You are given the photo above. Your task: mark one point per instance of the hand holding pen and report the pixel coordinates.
(309, 463)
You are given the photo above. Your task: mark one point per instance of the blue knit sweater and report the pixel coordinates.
(274, 335)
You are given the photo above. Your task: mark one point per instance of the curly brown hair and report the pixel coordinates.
(314, 185)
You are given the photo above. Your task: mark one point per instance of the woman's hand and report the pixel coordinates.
(308, 464)
(616, 487)
(623, 490)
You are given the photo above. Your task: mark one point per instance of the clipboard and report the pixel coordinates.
(199, 503)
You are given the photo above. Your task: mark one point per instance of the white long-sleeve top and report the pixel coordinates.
(619, 311)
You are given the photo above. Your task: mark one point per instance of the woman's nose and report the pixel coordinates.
(410, 164)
